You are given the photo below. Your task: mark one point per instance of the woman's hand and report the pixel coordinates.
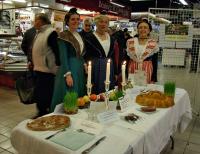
(69, 80)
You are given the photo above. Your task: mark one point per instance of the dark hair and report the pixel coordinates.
(145, 21)
(71, 12)
(103, 12)
(43, 17)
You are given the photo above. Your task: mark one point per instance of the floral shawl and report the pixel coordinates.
(151, 47)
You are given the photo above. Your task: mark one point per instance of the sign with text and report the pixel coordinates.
(124, 102)
(107, 117)
(99, 6)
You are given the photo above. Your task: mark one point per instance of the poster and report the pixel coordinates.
(176, 32)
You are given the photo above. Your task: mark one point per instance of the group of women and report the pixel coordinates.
(98, 47)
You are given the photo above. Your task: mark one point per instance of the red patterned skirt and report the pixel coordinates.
(146, 66)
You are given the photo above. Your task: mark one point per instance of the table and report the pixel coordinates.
(148, 135)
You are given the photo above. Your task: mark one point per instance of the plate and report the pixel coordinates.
(147, 109)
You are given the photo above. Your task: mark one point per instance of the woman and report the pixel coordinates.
(70, 76)
(143, 52)
(99, 47)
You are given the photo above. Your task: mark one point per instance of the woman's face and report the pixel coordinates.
(102, 24)
(143, 30)
(74, 21)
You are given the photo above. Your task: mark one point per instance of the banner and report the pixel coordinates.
(176, 32)
(100, 5)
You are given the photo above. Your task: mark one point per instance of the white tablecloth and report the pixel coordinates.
(148, 135)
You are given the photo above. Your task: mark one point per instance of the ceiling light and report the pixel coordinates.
(85, 12)
(44, 5)
(143, 14)
(67, 8)
(7, 2)
(183, 2)
(20, 1)
(117, 4)
(139, 0)
(113, 12)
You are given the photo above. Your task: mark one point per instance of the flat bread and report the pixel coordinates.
(53, 122)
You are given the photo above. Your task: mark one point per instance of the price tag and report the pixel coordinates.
(107, 117)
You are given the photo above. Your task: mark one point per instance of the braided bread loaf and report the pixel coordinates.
(155, 98)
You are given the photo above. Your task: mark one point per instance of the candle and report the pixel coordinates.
(108, 71)
(89, 73)
(124, 72)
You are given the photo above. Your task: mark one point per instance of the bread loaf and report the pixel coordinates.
(155, 98)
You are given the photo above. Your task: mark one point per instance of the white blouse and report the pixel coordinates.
(104, 43)
(140, 50)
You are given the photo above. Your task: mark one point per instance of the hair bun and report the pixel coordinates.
(103, 12)
(73, 10)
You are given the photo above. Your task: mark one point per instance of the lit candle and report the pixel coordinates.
(108, 71)
(124, 72)
(89, 73)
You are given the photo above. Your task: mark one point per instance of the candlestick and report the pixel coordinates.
(89, 73)
(124, 87)
(108, 71)
(107, 86)
(89, 89)
(124, 72)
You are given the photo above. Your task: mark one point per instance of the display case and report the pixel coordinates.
(12, 57)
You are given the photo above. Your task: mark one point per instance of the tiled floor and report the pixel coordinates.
(12, 112)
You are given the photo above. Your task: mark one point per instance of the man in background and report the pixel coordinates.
(45, 57)
(27, 44)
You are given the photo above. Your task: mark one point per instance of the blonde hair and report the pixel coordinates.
(88, 20)
(100, 17)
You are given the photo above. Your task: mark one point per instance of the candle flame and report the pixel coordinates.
(89, 63)
(124, 63)
(108, 60)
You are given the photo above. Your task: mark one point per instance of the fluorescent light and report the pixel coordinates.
(7, 2)
(23, 12)
(85, 12)
(117, 4)
(32, 4)
(113, 12)
(138, 0)
(44, 5)
(67, 8)
(183, 2)
(20, 1)
(143, 14)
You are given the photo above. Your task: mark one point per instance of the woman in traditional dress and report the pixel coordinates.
(142, 51)
(99, 47)
(70, 76)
